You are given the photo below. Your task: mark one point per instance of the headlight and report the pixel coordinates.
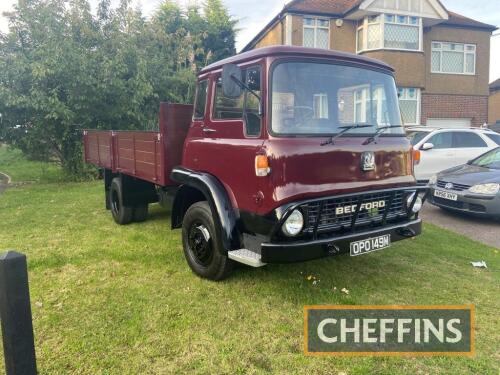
(485, 189)
(433, 180)
(418, 203)
(294, 224)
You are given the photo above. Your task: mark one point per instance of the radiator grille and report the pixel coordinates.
(324, 213)
(454, 186)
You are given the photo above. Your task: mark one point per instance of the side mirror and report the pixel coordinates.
(427, 146)
(231, 77)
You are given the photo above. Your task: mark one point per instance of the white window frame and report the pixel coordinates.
(464, 52)
(418, 99)
(315, 28)
(381, 20)
(362, 97)
(320, 102)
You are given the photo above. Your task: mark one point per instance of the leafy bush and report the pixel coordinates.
(64, 69)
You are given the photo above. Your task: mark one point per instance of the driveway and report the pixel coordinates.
(482, 230)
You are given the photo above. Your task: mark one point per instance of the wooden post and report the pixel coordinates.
(15, 315)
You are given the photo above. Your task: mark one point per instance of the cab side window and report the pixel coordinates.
(467, 140)
(228, 108)
(201, 100)
(442, 140)
(245, 107)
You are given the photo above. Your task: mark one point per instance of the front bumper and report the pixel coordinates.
(475, 204)
(308, 250)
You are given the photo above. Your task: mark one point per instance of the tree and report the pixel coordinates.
(63, 69)
(221, 32)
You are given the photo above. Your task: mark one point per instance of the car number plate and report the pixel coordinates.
(370, 244)
(445, 195)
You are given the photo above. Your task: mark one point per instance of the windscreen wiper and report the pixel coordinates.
(378, 133)
(345, 129)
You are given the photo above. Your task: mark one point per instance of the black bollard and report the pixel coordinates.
(15, 315)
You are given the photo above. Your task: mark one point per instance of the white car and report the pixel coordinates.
(441, 149)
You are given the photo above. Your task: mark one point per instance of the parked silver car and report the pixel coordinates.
(473, 187)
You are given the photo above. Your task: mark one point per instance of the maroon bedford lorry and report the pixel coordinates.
(288, 154)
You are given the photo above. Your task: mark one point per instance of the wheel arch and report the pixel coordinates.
(197, 186)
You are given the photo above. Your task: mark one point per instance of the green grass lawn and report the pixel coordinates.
(110, 299)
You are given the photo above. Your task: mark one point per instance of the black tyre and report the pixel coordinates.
(201, 244)
(140, 213)
(121, 214)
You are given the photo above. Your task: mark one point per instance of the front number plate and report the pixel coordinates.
(370, 244)
(445, 195)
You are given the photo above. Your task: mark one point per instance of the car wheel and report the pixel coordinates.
(201, 244)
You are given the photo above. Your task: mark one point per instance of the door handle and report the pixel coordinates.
(208, 130)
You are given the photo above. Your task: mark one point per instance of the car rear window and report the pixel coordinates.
(467, 140)
(494, 137)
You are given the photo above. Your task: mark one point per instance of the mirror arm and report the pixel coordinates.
(244, 86)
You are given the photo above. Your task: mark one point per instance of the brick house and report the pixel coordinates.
(494, 104)
(441, 58)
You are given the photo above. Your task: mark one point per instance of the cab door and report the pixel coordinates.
(231, 136)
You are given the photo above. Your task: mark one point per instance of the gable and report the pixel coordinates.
(420, 8)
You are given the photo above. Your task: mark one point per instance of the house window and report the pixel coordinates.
(453, 58)
(409, 102)
(316, 33)
(390, 31)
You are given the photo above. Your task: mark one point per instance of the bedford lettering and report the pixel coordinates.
(365, 206)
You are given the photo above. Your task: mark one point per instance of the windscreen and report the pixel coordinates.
(489, 160)
(319, 99)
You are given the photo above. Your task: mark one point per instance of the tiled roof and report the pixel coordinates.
(338, 7)
(495, 85)
(456, 19)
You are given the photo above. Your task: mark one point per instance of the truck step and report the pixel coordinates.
(246, 257)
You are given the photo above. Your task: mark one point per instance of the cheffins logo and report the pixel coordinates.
(389, 330)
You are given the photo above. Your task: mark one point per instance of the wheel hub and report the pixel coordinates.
(200, 243)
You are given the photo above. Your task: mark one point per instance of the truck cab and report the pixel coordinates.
(292, 154)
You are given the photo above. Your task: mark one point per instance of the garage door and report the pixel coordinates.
(449, 122)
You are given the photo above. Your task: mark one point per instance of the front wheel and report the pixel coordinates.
(201, 244)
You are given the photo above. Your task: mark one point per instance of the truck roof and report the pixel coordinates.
(296, 51)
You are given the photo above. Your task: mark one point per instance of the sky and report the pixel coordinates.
(254, 15)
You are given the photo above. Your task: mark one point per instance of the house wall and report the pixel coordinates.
(274, 37)
(409, 66)
(455, 106)
(494, 107)
(297, 30)
(477, 84)
(343, 38)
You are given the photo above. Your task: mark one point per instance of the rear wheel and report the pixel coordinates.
(201, 244)
(121, 214)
